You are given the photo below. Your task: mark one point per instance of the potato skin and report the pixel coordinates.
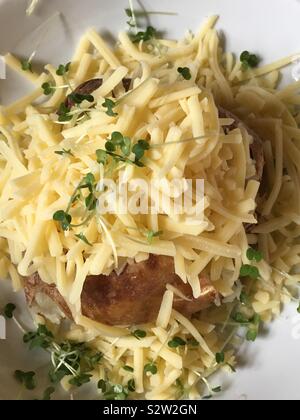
(133, 297)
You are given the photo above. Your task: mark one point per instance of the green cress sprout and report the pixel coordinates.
(176, 342)
(185, 72)
(63, 69)
(248, 60)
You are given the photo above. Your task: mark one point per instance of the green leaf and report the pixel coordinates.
(89, 179)
(65, 118)
(207, 397)
(117, 138)
(91, 202)
(192, 342)
(150, 367)
(185, 72)
(83, 239)
(251, 335)
(245, 299)
(64, 152)
(47, 88)
(244, 56)
(128, 12)
(42, 338)
(27, 379)
(249, 271)
(126, 146)
(102, 385)
(231, 368)
(110, 105)
(256, 320)
(254, 255)
(298, 309)
(26, 65)
(63, 218)
(56, 376)
(240, 318)
(47, 393)
(248, 60)
(176, 342)
(62, 70)
(151, 235)
(139, 334)
(220, 358)
(217, 389)
(110, 147)
(80, 380)
(101, 156)
(145, 36)
(128, 368)
(9, 310)
(131, 385)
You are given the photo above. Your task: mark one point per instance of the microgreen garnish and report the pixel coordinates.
(132, 19)
(232, 368)
(192, 342)
(139, 334)
(240, 318)
(26, 65)
(180, 388)
(131, 385)
(48, 392)
(83, 239)
(78, 98)
(48, 88)
(185, 72)
(220, 358)
(298, 309)
(121, 144)
(249, 271)
(9, 310)
(115, 392)
(63, 113)
(251, 335)
(252, 324)
(254, 255)
(63, 218)
(80, 380)
(150, 234)
(27, 379)
(244, 298)
(150, 367)
(63, 69)
(176, 342)
(213, 391)
(128, 368)
(110, 105)
(64, 152)
(41, 338)
(90, 201)
(145, 36)
(68, 358)
(248, 60)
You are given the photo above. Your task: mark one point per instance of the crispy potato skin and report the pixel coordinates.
(133, 297)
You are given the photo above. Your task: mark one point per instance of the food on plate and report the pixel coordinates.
(154, 300)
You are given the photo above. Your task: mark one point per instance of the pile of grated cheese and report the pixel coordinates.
(161, 107)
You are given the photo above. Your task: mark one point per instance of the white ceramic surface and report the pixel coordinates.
(270, 368)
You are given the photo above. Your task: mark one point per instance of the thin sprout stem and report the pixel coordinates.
(21, 328)
(168, 143)
(85, 221)
(133, 16)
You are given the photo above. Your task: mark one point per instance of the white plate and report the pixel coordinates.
(270, 368)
